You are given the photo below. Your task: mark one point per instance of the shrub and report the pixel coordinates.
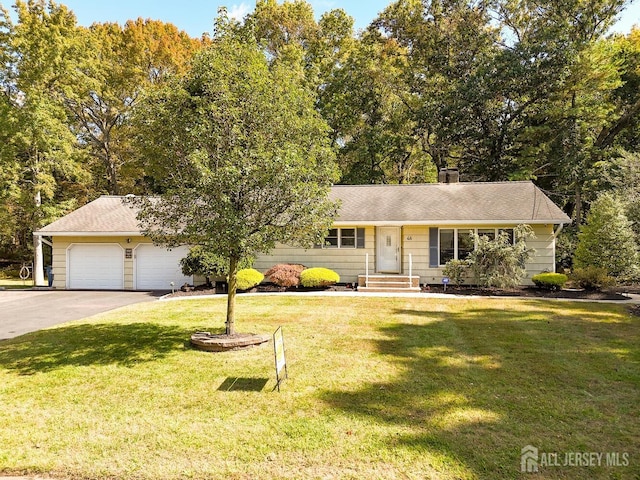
(203, 261)
(285, 274)
(248, 278)
(550, 281)
(318, 277)
(499, 263)
(456, 270)
(592, 278)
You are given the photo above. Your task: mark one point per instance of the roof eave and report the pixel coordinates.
(88, 234)
(400, 223)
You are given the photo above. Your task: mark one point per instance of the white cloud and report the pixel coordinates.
(239, 11)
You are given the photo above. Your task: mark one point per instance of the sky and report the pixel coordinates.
(196, 16)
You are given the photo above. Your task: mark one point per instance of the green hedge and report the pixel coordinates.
(318, 277)
(550, 281)
(248, 278)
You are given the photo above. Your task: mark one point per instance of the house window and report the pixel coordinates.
(447, 245)
(466, 243)
(490, 233)
(344, 238)
(509, 232)
(333, 239)
(458, 243)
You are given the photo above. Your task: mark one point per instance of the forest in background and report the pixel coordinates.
(502, 89)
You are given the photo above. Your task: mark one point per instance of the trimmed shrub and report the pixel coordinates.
(248, 278)
(550, 281)
(318, 277)
(285, 274)
(456, 270)
(592, 278)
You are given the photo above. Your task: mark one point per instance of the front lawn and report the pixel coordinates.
(378, 388)
(15, 283)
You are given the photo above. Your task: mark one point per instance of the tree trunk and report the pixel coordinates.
(578, 207)
(38, 273)
(231, 296)
(112, 173)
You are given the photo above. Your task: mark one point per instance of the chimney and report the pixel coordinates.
(448, 175)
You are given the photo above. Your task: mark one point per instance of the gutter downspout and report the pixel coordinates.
(555, 236)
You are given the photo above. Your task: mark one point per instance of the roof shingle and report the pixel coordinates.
(428, 204)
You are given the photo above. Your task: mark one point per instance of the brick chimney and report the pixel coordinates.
(448, 175)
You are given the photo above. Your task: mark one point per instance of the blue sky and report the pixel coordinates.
(196, 16)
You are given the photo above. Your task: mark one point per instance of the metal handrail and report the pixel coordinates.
(366, 270)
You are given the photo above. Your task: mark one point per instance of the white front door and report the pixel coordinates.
(388, 240)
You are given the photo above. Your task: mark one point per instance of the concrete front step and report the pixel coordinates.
(406, 289)
(390, 283)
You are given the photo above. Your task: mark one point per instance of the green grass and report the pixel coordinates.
(378, 388)
(15, 283)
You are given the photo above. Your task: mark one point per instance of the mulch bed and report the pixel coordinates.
(532, 292)
(487, 292)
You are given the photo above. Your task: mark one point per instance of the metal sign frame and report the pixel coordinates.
(279, 355)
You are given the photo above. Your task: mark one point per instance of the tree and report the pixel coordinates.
(39, 51)
(606, 240)
(242, 156)
(119, 64)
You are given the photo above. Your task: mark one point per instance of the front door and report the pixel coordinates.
(388, 240)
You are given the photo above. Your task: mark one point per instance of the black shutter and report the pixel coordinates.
(360, 238)
(433, 248)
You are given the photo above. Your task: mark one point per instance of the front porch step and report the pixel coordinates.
(389, 283)
(389, 289)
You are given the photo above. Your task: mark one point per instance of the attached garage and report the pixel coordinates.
(157, 267)
(95, 266)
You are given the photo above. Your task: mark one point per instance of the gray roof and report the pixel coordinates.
(424, 204)
(447, 203)
(106, 215)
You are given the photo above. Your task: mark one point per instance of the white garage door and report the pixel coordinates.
(99, 267)
(157, 267)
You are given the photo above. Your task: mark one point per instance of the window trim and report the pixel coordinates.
(358, 239)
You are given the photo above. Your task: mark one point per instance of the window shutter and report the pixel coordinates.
(360, 238)
(433, 247)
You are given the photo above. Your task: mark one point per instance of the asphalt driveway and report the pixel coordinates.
(24, 311)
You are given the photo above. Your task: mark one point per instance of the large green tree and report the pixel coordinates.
(120, 63)
(40, 50)
(242, 157)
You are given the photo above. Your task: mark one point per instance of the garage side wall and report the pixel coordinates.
(62, 244)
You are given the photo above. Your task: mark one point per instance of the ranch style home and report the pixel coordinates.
(385, 236)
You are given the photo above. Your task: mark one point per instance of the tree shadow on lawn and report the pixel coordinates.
(91, 344)
(478, 386)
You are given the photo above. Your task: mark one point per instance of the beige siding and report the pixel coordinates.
(349, 263)
(61, 245)
(543, 259)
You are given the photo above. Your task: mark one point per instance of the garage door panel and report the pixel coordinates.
(99, 267)
(157, 267)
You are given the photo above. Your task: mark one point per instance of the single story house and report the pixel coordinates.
(383, 233)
